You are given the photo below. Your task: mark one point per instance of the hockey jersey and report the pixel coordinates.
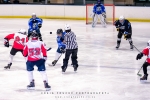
(146, 52)
(34, 50)
(19, 40)
(99, 9)
(33, 23)
(123, 27)
(60, 41)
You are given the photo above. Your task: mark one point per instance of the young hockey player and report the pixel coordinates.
(35, 24)
(99, 13)
(146, 52)
(71, 49)
(61, 45)
(124, 28)
(20, 38)
(36, 54)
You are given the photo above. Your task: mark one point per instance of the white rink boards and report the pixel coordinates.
(102, 68)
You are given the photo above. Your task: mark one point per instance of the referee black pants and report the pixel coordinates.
(74, 57)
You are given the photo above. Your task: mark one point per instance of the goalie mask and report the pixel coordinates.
(98, 2)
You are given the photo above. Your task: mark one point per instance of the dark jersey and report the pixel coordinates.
(123, 27)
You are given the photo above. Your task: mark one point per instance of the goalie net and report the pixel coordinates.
(110, 13)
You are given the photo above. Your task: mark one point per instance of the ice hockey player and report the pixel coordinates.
(99, 13)
(36, 54)
(145, 52)
(20, 38)
(124, 28)
(71, 49)
(35, 24)
(61, 45)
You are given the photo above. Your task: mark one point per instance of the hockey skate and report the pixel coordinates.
(144, 78)
(63, 69)
(75, 68)
(31, 86)
(8, 66)
(117, 47)
(54, 62)
(47, 87)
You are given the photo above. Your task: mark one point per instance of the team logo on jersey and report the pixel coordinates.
(122, 27)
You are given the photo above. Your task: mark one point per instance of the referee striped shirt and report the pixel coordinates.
(70, 39)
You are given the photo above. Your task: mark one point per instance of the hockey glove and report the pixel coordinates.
(104, 15)
(62, 50)
(126, 35)
(139, 56)
(44, 58)
(117, 29)
(61, 39)
(6, 43)
(39, 25)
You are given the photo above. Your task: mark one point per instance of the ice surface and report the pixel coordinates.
(102, 68)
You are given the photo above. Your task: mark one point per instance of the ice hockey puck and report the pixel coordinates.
(50, 32)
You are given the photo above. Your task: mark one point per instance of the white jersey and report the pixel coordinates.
(35, 50)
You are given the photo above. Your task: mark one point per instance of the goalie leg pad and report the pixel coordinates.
(95, 20)
(103, 20)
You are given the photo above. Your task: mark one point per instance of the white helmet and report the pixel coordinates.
(67, 27)
(23, 31)
(33, 14)
(148, 43)
(121, 18)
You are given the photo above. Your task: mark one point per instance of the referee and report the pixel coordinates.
(71, 49)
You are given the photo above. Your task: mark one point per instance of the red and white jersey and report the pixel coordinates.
(34, 50)
(19, 40)
(146, 52)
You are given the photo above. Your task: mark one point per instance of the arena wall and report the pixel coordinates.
(69, 12)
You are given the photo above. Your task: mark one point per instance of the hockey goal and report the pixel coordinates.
(110, 13)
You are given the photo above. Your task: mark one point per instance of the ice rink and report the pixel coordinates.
(102, 69)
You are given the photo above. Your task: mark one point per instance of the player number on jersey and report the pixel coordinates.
(17, 38)
(34, 51)
(98, 9)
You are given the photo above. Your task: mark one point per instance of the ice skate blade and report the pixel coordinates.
(143, 81)
(47, 89)
(131, 49)
(31, 88)
(75, 71)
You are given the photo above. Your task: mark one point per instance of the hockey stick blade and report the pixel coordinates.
(49, 49)
(139, 75)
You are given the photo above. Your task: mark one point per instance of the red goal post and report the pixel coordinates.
(110, 13)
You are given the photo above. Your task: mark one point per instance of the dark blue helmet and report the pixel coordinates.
(34, 34)
(98, 1)
(59, 31)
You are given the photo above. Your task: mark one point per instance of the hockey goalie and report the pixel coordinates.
(99, 13)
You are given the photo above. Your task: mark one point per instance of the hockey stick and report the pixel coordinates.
(49, 49)
(134, 46)
(139, 52)
(57, 60)
(139, 72)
